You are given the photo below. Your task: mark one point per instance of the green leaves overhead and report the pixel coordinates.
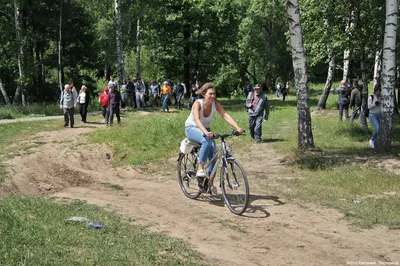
(224, 41)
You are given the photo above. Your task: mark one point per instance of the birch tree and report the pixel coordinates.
(305, 136)
(4, 92)
(346, 54)
(331, 68)
(377, 68)
(138, 72)
(388, 77)
(59, 66)
(120, 53)
(20, 40)
(364, 96)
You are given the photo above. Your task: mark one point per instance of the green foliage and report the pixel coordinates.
(227, 79)
(221, 41)
(263, 43)
(34, 231)
(340, 25)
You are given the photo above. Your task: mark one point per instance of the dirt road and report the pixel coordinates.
(271, 232)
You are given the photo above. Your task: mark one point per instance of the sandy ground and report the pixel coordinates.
(272, 232)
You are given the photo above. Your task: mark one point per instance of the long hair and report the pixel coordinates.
(203, 90)
(377, 88)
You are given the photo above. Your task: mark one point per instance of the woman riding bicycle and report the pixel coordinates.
(197, 126)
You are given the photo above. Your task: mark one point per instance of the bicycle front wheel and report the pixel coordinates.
(235, 187)
(187, 164)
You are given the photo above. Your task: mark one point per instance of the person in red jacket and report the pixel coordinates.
(103, 100)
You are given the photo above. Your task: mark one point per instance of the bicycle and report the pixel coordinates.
(233, 179)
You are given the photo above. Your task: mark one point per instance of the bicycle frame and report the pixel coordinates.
(219, 154)
(233, 180)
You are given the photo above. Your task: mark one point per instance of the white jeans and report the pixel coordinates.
(140, 100)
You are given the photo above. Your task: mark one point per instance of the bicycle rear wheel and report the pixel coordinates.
(187, 165)
(235, 187)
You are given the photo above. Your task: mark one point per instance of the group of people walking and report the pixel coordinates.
(350, 96)
(70, 98)
(134, 94)
(138, 94)
(285, 90)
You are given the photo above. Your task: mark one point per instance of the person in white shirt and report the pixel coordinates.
(83, 101)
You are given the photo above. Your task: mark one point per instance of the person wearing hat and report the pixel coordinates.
(256, 104)
(103, 100)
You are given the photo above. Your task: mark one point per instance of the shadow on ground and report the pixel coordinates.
(257, 204)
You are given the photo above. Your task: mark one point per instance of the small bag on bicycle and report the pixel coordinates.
(187, 146)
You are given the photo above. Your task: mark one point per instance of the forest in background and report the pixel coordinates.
(46, 43)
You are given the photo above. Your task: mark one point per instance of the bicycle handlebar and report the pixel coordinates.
(233, 133)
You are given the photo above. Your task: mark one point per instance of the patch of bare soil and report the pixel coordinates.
(271, 232)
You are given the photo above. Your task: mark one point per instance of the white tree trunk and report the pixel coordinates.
(328, 83)
(364, 93)
(105, 70)
(305, 136)
(388, 77)
(120, 52)
(377, 68)
(346, 54)
(331, 68)
(59, 70)
(20, 40)
(346, 63)
(4, 92)
(138, 48)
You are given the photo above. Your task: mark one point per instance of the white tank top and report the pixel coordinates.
(205, 120)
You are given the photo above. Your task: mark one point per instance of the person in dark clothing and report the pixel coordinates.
(114, 100)
(342, 91)
(355, 101)
(130, 89)
(284, 92)
(179, 92)
(193, 94)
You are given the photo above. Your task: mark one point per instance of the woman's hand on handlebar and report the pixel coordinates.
(240, 130)
(209, 135)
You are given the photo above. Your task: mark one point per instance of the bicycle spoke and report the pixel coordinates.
(187, 176)
(235, 187)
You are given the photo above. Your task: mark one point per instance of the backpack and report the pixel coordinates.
(366, 110)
